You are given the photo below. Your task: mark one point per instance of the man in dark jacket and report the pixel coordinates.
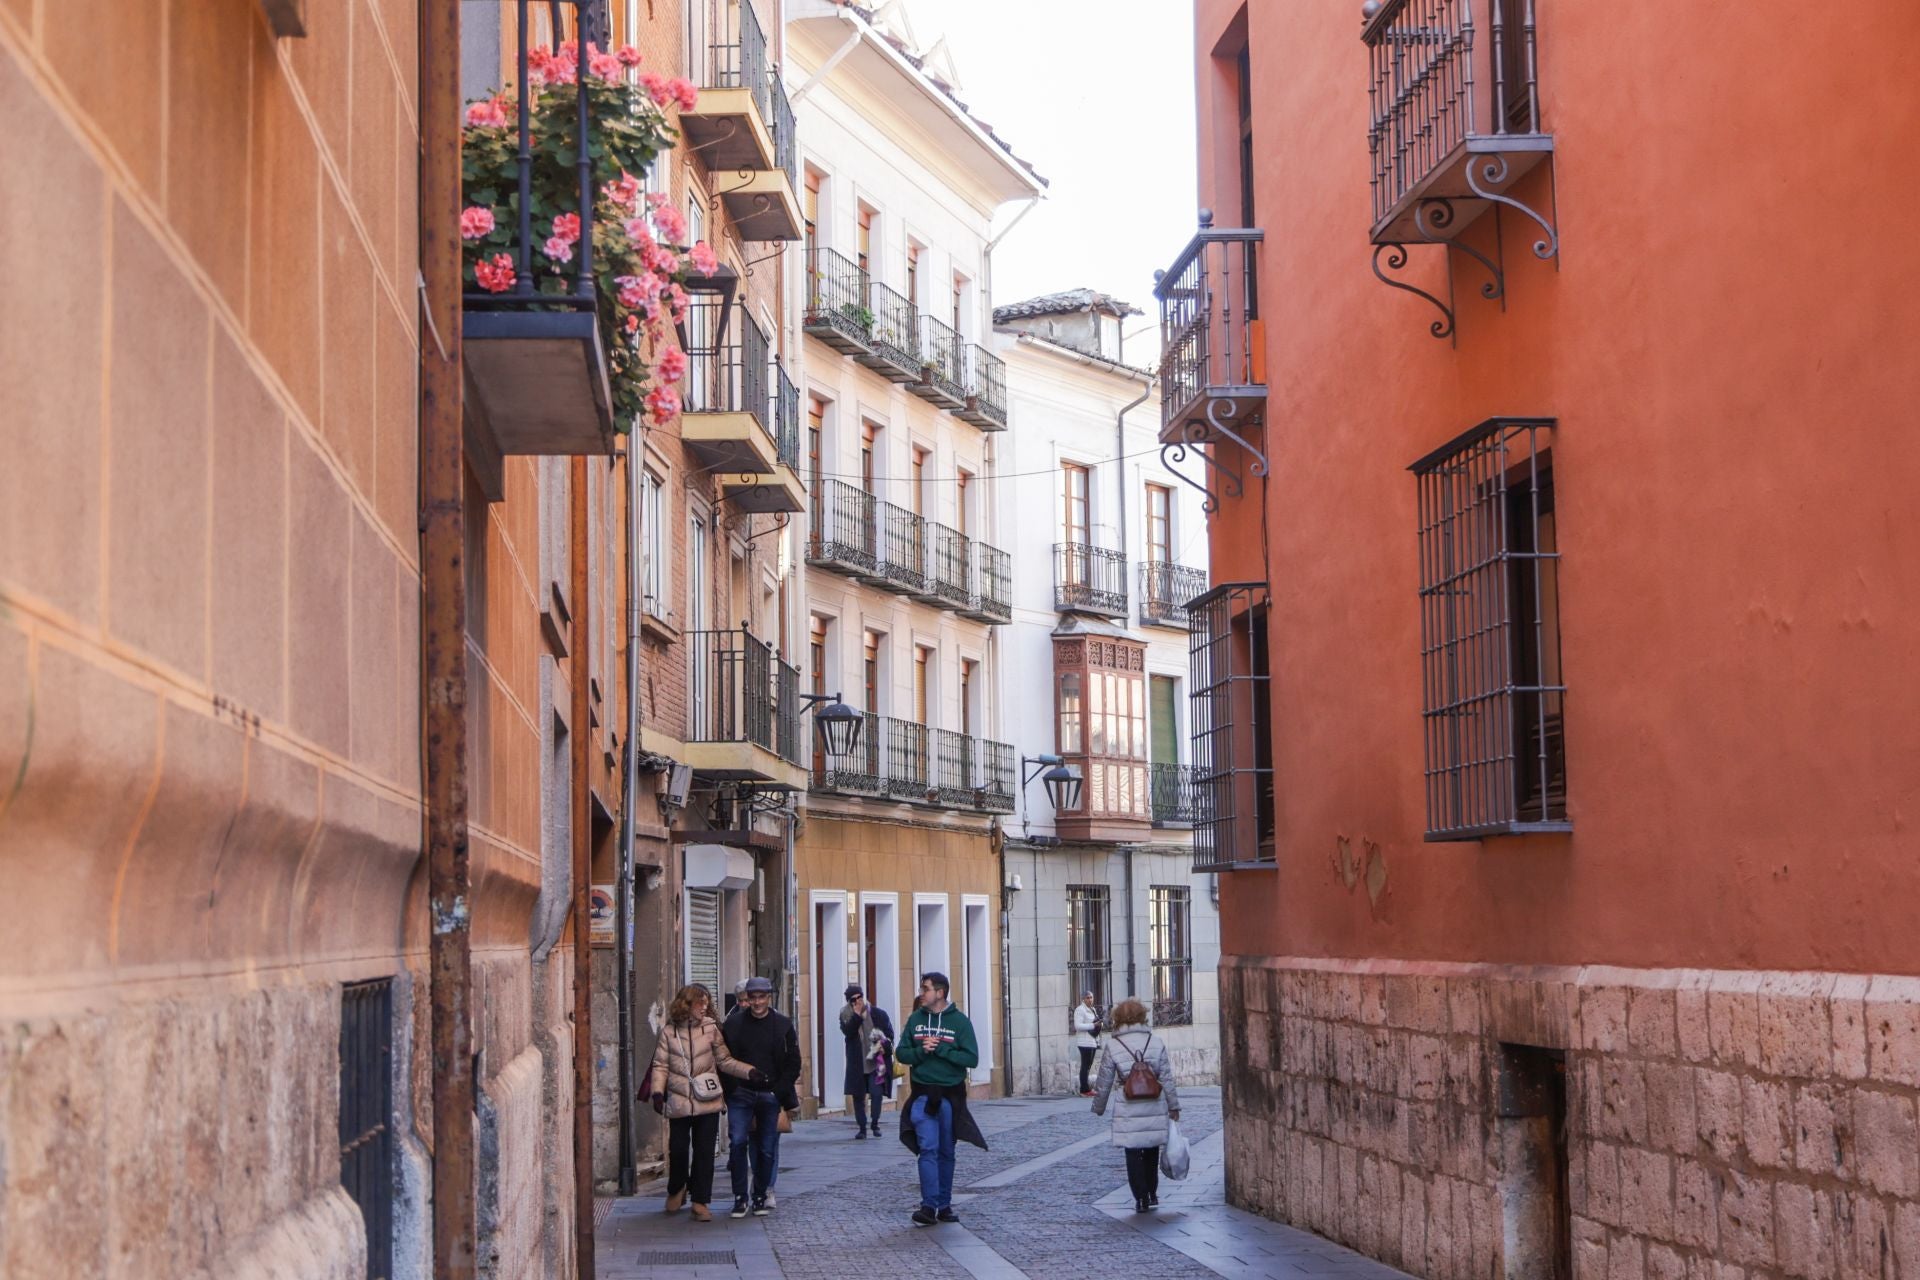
(869, 1034)
(939, 1045)
(761, 1037)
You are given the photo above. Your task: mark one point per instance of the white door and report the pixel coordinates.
(931, 952)
(977, 982)
(829, 1048)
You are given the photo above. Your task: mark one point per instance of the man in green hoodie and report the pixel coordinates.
(939, 1047)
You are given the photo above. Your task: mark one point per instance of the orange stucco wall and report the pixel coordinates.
(1728, 342)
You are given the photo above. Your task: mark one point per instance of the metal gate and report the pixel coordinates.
(366, 1108)
(703, 942)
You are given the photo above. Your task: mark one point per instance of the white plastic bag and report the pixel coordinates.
(1174, 1157)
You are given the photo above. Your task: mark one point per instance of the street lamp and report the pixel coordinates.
(1061, 782)
(836, 723)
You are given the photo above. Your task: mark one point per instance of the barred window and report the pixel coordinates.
(1230, 714)
(1170, 953)
(1492, 692)
(1089, 959)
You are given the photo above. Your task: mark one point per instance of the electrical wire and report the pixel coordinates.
(971, 479)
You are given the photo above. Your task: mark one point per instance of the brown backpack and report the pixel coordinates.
(1142, 1082)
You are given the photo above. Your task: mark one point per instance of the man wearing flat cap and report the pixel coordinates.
(869, 1034)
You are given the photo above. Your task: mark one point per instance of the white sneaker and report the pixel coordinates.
(771, 1202)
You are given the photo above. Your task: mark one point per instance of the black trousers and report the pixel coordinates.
(1086, 1065)
(695, 1136)
(1143, 1171)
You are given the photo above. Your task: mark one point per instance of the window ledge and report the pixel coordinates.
(659, 629)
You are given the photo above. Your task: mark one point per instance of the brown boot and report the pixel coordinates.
(674, 1201)
(700, 1214)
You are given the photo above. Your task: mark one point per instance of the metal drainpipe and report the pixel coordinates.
(1120, 463)
(578, 674)
(443, 672)
(998, 836)
(629, 793)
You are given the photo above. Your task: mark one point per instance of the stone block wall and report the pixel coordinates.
(1721, 1125)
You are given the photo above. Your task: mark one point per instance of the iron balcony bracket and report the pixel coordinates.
(1396, 260)
(1196, 434)
(1434, 220)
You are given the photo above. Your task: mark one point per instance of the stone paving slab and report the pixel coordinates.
(1048, 1200)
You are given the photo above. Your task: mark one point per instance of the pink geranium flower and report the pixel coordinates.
(678, 298)
(658, 87)
(660, 260)
(488, 114)
(663, 402)
(475, 221)
(683, 93)
(638, 291)
(702, 258)
(567, 227)
(496, 276)
(625, 191)
(672, 223)
(673, 364)
(638, 233)
(606, 66)
(628, 55)
(559, 250)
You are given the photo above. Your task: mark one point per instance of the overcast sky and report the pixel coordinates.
(1098, 96)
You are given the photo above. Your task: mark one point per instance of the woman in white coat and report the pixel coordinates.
(1086, 1038)
(1139, 1124)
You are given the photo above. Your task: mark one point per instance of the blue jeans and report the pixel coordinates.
(758, 1151)
(871, 1098)
(935, 1135)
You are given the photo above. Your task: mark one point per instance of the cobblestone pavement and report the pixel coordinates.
(1049, 1200)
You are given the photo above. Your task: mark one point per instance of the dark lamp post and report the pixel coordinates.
(1061, 782)
(836, 723)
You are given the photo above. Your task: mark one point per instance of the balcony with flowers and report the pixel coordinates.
(573, 275)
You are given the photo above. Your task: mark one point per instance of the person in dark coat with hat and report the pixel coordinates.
(869, 1080)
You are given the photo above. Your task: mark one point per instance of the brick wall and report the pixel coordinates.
(1721, 1125)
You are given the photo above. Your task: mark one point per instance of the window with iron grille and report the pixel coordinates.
(366, 1111)
(1230, 719)
(1170, 953)
(1089, 958)
(1492, 693)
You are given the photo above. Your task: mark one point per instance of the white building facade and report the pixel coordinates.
(1109, 546)
(905, 581)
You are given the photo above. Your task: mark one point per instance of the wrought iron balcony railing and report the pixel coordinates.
(740, 691)
(992, 584)
(950, 570)
(786, 418)
(736, 50)
(986, 400)
(726, 375)
(1173, 795)
(895, 353)
(915, 764)
(844, 534)
(903, 550)
(1089, 579)
(1213, 379)
(1165, 589)
(786, 141)
(1454, 109)
(943, 376)
(837, 310)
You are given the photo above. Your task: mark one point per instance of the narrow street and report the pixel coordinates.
(1049, 1200)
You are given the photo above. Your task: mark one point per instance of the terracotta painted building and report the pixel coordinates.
(1553, 703)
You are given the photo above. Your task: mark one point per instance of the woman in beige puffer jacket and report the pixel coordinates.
(690, 1046)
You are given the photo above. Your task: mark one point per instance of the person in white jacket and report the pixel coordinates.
(1140, 1125)
(1086, 1038)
